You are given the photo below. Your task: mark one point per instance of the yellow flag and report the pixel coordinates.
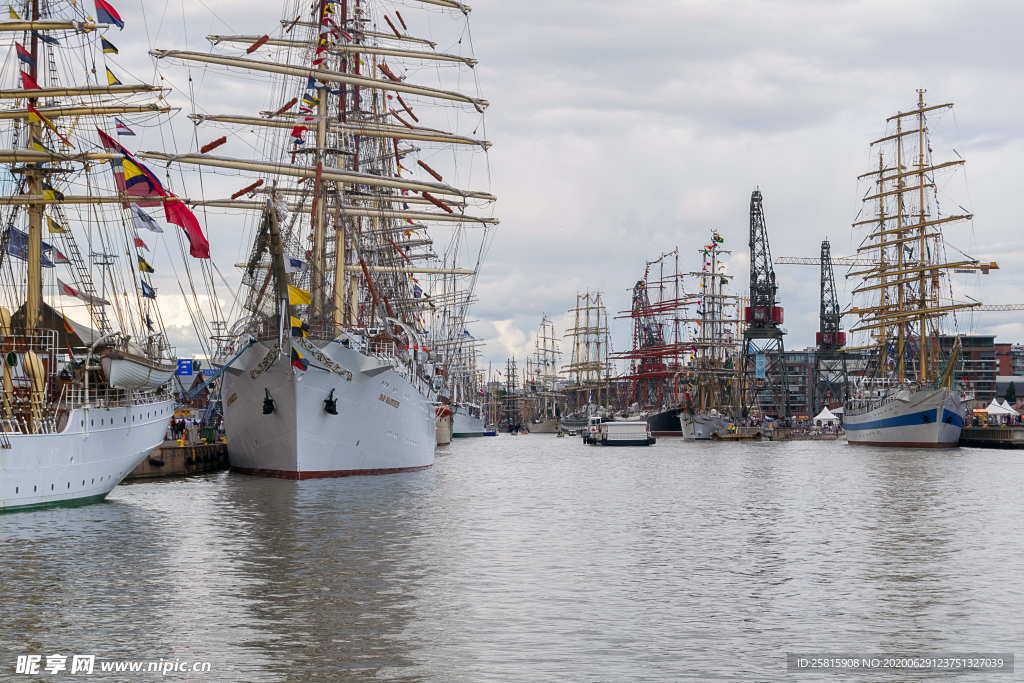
(111, 78)
(299, 297)
(11, 13)
(54, 226)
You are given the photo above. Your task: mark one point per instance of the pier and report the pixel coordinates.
(175, 460)
(1001, 436)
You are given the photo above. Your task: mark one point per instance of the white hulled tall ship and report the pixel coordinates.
(80, 404)
(542, 380)
(908, 397)
(328, 366)
(589, 369)
(710, 378)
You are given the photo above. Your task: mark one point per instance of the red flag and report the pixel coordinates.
(139, 243)
(176, 212)
(131, 177)
(28, 83)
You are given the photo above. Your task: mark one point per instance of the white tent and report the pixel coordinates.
(1007, 406)
(994, 408)
(825, 417)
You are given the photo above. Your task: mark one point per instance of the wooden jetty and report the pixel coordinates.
(176, 460)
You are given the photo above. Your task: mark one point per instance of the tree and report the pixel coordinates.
(1011, 394)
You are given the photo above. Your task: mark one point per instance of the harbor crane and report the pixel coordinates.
(764, 358)
(830, 360)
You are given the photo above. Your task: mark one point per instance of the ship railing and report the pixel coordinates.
(382, 349)
(108, 397)
(47, 424)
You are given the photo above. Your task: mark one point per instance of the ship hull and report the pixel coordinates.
(97, 449)
(929, 418)
(443, 430)
(385, 423)
(466, 426)
(665, 423)
(702, 426)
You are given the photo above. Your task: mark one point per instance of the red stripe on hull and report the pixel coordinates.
(323, 474)
(904, 444)
(676, 433)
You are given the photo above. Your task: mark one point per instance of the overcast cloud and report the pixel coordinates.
(625, 129)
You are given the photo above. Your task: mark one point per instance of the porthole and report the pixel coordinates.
(33, 488)
(51, 487)
(69, 484)
(16, 489)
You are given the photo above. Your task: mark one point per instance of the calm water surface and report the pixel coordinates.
(535, 558)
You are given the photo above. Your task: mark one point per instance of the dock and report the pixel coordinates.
(175, 460)
(1000, 436)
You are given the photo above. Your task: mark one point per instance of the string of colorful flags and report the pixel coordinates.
(132, 178)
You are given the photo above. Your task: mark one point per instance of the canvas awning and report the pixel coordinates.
(51, 318)
(1006, 406)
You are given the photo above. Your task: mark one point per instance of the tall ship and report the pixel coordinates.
(907, 397)
(456, 352)
(711, 378)
(542, 380)
(355, 222)
(657, 349)
(588, 370)
(86, 363)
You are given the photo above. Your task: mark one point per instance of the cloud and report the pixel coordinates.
(623, 130)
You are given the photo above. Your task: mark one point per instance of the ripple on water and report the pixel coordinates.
(527, 558)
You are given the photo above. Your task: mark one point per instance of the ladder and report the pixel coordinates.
(83, 278)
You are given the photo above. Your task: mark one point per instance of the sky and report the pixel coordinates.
(623, 130)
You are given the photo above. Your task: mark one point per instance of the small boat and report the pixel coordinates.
(636, 433)
(126, 370)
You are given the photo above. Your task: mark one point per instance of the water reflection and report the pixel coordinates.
(533, 558)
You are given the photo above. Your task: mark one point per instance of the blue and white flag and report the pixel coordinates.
(143, 221)
(147, 291)
(294, 265)
(17, 246)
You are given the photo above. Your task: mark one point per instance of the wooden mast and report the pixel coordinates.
(924, 359)
(34, 294)
(338, 311)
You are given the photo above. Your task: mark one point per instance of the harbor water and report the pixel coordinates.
(534, 558)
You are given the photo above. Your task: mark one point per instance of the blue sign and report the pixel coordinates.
(759, 366)
(184, 367)
(209, 372)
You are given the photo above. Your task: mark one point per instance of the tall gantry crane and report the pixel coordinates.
(830, 360)
(764, 357)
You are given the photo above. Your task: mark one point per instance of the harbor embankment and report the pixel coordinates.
(174, 459)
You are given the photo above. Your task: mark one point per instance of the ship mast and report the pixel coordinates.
(353, 214)
(34, 292)
(713, 339)
(906, 246)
